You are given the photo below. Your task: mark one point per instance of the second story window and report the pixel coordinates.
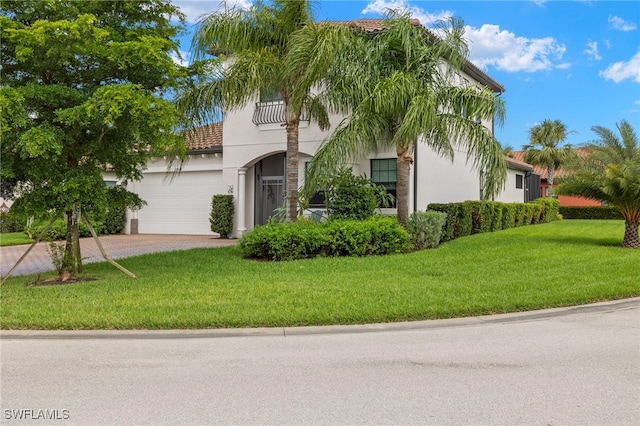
(270, 96)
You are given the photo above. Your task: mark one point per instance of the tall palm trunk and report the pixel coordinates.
(631, 238)
(550, 174)
(405, 159)
(292, 171)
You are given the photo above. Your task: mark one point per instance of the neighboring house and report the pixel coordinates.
(522, 185)
(564, 200)
(245, 156)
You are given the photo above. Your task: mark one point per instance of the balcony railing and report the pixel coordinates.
(272, 112)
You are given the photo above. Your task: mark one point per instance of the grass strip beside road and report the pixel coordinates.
(543, 266)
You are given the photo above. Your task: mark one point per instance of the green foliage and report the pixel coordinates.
(353, 197)
(476, 217)
(591, 212)
(426, 228)
(12, 222)
(377, 235)
(118, 201)
(82, 87)
(58, 230)
(221, 217)
(550, 209)
(545, 147)
(508, 216)
(610, 172)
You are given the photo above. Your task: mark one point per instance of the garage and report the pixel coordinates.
(180, 205)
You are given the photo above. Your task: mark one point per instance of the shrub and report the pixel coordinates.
(550, 208)
(508, 216)
(12, 222)
(221, 217)
(591, 212)
(306, 239)
(353, 197)
(118, 201)
(426, 228)
(58, 230)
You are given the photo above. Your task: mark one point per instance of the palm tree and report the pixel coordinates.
(258, 44)
(392, 86)
(545, 150)
(610, 172)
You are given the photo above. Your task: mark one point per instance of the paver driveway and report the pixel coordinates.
(116, 246)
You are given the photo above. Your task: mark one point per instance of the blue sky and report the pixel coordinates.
(575, 61)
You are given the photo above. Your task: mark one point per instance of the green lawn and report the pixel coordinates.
(14, 238)
(557, 264)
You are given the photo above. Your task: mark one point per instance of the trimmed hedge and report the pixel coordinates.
(221, 216)
(475, 217)
(378, 235)
(591, 212)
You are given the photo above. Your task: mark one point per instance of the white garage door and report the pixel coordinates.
(178, 206)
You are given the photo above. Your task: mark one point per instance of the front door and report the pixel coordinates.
(272, 196)
(270, 188)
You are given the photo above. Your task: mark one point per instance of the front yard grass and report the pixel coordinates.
(551, 265)
(14, 239)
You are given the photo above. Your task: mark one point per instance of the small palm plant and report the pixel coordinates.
(610, 172)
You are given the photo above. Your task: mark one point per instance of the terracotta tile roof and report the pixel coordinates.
(374, 25)
(519, 156)
(541, 170)
(205, 137)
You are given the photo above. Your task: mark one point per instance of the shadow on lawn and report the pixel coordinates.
(585, 240)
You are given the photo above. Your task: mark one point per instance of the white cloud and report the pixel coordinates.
(618, 23)
(505, 51)
(620, 71)
(539, 2)
(182, 59)
(194, 9)
(564, 66)
(592, 50)
(381, 7)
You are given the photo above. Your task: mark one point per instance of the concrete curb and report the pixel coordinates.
(610, 306)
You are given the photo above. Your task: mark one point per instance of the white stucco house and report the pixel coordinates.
(244, 155)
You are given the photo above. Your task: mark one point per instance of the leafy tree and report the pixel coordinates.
(610, 172)
(392, 86)
(545, 148)
(81, 90)
(259, 48)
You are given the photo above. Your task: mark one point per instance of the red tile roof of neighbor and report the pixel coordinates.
(519, 156)
(541, 170)
(205, 137)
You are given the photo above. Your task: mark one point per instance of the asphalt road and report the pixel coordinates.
(576, 366)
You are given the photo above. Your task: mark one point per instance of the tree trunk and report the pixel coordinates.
(76, 237)
(405, 159)
(631, 239)
(550, 172)
(68, 269)
(292, 171)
